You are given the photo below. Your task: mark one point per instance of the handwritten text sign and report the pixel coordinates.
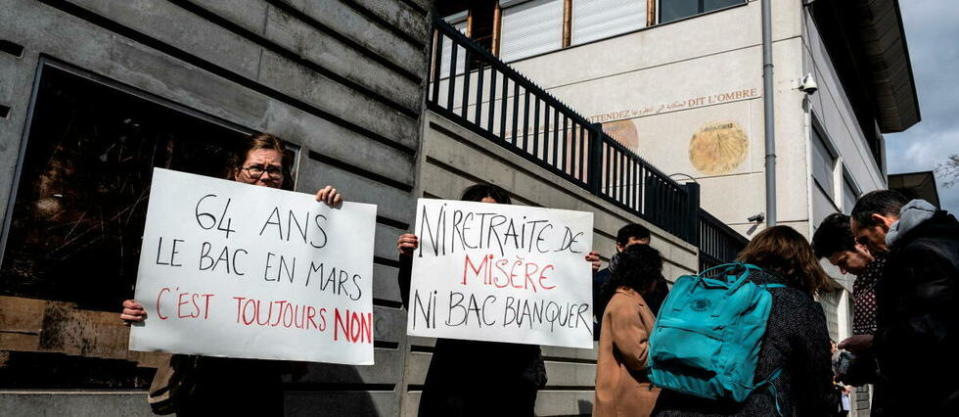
(502, 273)
(235, 270)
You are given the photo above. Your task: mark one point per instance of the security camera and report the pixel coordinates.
(808, 84)
(757, 218)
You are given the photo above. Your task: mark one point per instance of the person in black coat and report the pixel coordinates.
(628, 235)
(917, 340)
(796, 339)
(472, 378)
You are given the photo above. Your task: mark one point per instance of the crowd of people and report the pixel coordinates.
(904, 254)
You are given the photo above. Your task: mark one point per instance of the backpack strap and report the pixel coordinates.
(772, 387)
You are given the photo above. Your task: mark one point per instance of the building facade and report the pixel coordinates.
(639, 111)
(681, 84)
(95, 93)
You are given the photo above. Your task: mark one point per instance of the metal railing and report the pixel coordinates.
(472, 87)
(718, 243)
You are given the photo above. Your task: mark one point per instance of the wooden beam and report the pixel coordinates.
(567, 22)
(650, 12)
(35, 325)
(497, 28)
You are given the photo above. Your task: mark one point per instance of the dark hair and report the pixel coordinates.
(884, 202)
(785, 252)
(631, 230)
(832, 236)
(477, 192)
(640, 267)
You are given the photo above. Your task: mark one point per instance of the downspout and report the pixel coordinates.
(770, 127)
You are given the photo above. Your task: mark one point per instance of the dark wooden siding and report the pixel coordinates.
(341, 79)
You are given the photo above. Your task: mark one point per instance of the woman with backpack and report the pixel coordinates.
(622, 384)
(793, 373)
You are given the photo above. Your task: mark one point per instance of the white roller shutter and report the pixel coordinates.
(459, 22)
(530, 28)
(598, 19)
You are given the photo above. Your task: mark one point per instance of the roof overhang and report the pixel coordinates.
(916, 185)
(884, 42)
(873, 33)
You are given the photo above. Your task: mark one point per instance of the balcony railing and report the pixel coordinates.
(475, 89)
(718, 243)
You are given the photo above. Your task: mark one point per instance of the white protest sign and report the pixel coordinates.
(235, 270)
(502, 273)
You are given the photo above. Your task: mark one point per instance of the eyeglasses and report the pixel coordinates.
(256, 171)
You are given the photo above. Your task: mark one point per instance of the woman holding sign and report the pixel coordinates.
(213, 386)
(471, 378)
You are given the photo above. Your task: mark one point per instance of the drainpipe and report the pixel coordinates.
(770, 127)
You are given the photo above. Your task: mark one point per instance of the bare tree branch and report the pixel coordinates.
(950, 170)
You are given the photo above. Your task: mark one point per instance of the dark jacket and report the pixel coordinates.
(232, 386)
(797, 341)
(599, 299)
(917, 343)
(471, 378)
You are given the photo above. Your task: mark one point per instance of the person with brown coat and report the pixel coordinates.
(622, 385)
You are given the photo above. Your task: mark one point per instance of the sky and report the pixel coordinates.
(932, 35)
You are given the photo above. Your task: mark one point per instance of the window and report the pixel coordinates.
(823, 164)
(458, 21)
(477, 20)
(598, 19)
(530, 28)
(84, 182)
(670, 10)
(850, 193)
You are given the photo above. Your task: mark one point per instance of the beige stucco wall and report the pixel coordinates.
(671, 81)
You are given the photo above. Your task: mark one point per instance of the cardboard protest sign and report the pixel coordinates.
(235, 270)
(502, 273)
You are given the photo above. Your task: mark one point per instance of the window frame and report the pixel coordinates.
(46, 62)
(657, 14)
(848, 180)
(818, 132)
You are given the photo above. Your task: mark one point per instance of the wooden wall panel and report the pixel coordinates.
(340, 79)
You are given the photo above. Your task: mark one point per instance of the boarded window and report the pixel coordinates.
(80, 204)
(530, 28)
(598, 19)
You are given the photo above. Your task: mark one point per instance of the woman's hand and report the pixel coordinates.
(329, 195)
(407, 243)
(593, 258)
(133, 312)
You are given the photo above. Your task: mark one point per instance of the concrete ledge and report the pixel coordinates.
(70, 403)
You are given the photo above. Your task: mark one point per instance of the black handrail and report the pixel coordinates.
(718, 243)
(554, 136)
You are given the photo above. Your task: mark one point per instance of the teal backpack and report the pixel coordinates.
(707, 336)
